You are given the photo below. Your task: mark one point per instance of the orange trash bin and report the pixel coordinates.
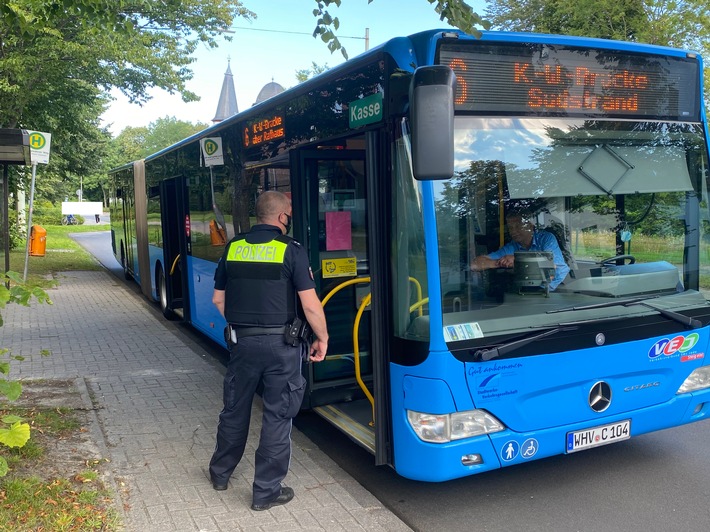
(38, 241)
(218, 236)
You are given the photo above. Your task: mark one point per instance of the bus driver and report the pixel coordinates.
(524, 238)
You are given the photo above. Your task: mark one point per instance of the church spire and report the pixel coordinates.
(227, 105)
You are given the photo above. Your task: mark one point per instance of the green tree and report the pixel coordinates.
(681, 24)
(307, 73)
(129, 145)
(58, 60)
(607, 19)
(77, 143)
(135, 143)
(59, 48)
(456, 12)
(167, 131)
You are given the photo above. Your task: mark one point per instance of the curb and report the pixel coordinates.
(97, 435)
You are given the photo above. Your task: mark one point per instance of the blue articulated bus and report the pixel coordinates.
(402, 165)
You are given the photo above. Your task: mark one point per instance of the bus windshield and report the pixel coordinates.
(614, 211)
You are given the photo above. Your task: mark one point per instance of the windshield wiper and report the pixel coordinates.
(613, 303)
(484, 355)
(671, 315)
(675, 316)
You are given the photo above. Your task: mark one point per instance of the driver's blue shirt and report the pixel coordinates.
(541, 241)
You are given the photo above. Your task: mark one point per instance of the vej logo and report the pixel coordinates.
(668, 347)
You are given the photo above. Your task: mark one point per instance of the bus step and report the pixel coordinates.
(354, 419)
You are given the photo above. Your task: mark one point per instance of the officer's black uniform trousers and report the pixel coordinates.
(255, 359)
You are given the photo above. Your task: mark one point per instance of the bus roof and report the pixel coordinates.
(418, 49)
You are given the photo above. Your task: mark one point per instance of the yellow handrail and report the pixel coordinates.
(356, 326)
(418, 305)
(342, 285)
(419, 302)
(359, 280)
(172, 268)
(356, 352)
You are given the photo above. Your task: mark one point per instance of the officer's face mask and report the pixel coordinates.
(287, 225)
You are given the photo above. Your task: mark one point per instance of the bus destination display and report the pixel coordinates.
(264, 130)
(555, 80)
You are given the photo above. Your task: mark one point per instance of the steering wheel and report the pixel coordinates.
(611, 260)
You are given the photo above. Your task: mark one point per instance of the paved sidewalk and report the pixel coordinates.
(158, 396)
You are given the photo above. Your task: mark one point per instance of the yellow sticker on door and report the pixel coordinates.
(345, 267)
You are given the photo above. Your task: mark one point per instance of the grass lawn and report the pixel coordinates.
(56, 481)
(62, 253)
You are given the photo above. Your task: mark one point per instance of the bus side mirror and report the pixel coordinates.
(431, 103)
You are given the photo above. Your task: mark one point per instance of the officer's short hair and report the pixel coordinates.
(270, 204)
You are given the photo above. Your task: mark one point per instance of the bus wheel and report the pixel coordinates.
(163, 296)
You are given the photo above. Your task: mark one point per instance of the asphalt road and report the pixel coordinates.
(653, 483)
(99, 245)
(658, 482)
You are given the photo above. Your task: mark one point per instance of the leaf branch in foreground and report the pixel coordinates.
(456, 13)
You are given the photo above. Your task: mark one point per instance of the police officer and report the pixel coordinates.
(257, 283)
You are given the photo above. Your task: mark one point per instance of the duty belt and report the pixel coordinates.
(258, 331)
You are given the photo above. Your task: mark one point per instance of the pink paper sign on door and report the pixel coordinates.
(338, 234)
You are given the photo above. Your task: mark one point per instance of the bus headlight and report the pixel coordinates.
(700, 378)
(442, 428)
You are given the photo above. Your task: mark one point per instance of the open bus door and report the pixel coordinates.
(334, 212)
(171, 281)
(128, 213)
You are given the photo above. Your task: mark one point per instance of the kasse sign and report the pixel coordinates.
(365, 111)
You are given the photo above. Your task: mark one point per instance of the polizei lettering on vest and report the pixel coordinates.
(256, 253)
